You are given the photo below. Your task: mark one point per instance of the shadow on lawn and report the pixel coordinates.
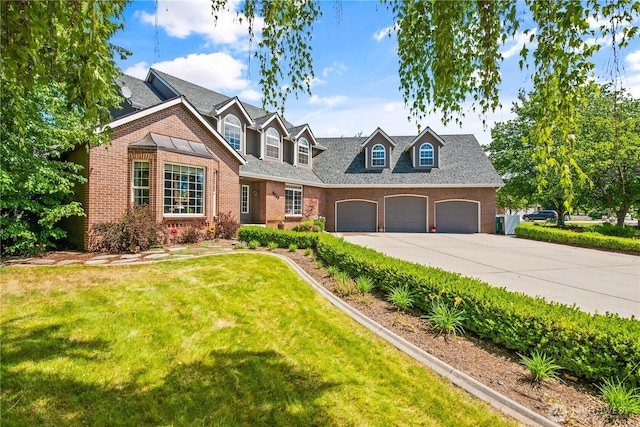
(229, 388)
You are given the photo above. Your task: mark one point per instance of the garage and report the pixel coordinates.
(457, 216)
(405, 214)
(356, 215)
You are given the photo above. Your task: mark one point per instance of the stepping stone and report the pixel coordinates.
(96, 261)
(124, 261)
(177, 248)
(41, 261)
(104, 257)
(155, 256)
(68, 261)
(130, 256)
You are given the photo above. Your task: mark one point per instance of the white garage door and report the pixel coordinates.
(356, 215)
(457, 216)
(405, 214)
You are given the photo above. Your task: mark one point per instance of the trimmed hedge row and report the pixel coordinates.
(587, 239)
(594, 347)
(283, 238)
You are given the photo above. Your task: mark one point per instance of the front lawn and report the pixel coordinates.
(221, 340)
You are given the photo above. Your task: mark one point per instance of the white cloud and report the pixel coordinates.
(335, 68)
(632, 80)
(182, 19)
(215, 71)
(519, 40)
(383, 32)
(329, 101)
(250, 95)
(315, 81)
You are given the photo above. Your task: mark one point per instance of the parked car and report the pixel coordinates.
(540, 215)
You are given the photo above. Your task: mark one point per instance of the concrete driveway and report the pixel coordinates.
(593, 280)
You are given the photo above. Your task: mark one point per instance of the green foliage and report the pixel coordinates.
(333, 271)
(585, 238)
(272, 245)
(137, 230)
(589, 346)
(344, 287)
(307, 252)
(622, 402)
(365, 284)
(64, 49)
(541, 367)
(608, 229)
(293, 247)
(310, 225)
(283, 238)
(239, 246)
(253, 244)
(401, 297)
(447, 319)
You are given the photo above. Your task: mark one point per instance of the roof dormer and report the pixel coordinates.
(377, 150)
(273, 131)
(425, 149)
(304, 142)
(232, 121)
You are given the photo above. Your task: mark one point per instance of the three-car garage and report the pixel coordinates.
(407, 213)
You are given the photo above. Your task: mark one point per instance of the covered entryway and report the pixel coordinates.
(356, 215)
(405, 214)
(457, 216)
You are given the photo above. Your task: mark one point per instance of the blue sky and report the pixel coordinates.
(356, 84)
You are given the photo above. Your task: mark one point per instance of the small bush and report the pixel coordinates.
(448, 320)
(226, 226)
(307, 226)
(189, 234)
(253, 244)
(344, 285)
(272, 245)
(137, 230)
(293, 248)
(333, 271)
(307, 252)
(540, 366)
(319, 264)
(401, 297)
(365, 284)
(240, 246)
(608, 229)
(622, 402)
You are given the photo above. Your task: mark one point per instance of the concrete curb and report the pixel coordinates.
(476, 388)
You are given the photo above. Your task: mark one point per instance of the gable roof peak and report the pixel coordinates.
(378, 131)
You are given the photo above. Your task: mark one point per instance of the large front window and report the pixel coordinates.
(273, 143)
(303, 152)
(426, 155)
(140, 183)
(378, 156)
(293, 200)
(232, 131)
(183, 190)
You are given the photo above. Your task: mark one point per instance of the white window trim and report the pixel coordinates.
(279, 146)
(133, 186)
(244, 208)
(433, 155)
(240, 130)
(384, 158)
(204, 192)
(308, 153)
(296, 189)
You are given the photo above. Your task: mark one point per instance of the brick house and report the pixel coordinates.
(192, 153)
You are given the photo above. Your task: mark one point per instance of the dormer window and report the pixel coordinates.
(232, 131)
(378, 156)
(426, 155)
(303, 151)
(273, 143)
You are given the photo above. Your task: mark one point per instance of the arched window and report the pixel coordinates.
(273, 143)
(303, 151)
(426, 155)
(232, 131)
(378, 156)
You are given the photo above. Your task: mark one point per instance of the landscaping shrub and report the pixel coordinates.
(588, 239)
(593, 347)
(253, 244)
(608, 229)
(189, 234)
(307, 225)
(137, 230)
(226, 226)
(281, 237)
(540, 367)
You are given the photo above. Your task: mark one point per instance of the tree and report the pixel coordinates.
(609, 149)
(449, 55)
(57, 86)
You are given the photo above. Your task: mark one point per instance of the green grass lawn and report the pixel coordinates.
(223, 340)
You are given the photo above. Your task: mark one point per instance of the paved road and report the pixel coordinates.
(593, 280)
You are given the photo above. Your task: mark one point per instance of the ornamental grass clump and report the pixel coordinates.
(401, 297)
(540, 366)
(365, 284)
(622, 402)
(253, 244)
(293, 247)
(272, 245)
(447, 320)
(344, 286)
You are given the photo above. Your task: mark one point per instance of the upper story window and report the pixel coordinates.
(303, 151)
(378, 155)
(273, 143)
(426, 155)
(140, 182)
(232, 131)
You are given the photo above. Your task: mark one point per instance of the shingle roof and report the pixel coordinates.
(176, 145)
(283, 171)
(462, 162)
(143, 94)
